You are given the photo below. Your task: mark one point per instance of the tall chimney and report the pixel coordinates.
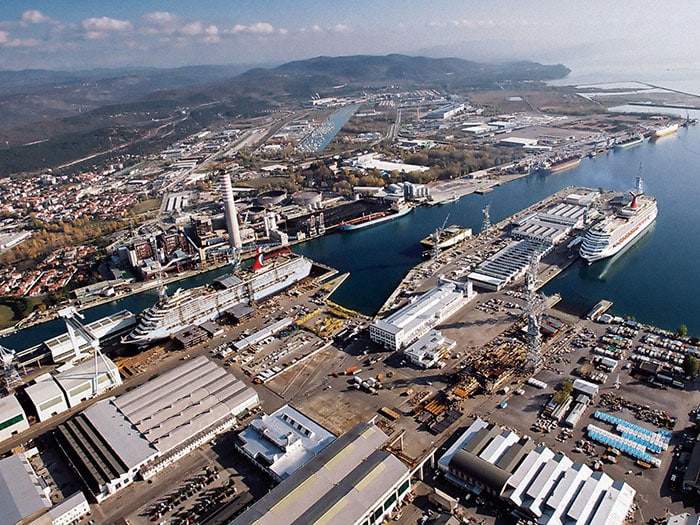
(234, 235)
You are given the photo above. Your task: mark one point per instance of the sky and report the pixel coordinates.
(622, 37)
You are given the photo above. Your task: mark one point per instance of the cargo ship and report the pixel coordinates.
(447, 237)
(562, 164)
(612, 234)
(185, 308)
(632, 140)
(373, 219)
(666, 130)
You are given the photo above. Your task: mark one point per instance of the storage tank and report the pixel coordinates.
(272, 198)
(308, 199)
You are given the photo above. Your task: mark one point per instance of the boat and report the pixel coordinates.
(632, 140)
(666, 130)
(397, 211)
(195, 306)
(612, 234)
(563, 163)
(446, 237)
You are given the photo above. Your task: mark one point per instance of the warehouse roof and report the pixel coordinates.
(20, 494)
(182, 402)
(348, 476)
(124, 438)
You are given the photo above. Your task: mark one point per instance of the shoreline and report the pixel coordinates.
(444, 190)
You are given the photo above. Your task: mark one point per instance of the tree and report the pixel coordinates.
(690, 365)
(682, 331)
(564, 391)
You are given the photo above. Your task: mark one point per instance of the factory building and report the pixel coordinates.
(13, 420)
(88, 379)
(47, 397)
(104, 448)
(417, 318)
(138, 434)
(351, 481)
(282, 442)
(507, 264)
(539, 484)
(23, 495)
(551, 226)
(70, 510)
(62, 348)
(429, 349)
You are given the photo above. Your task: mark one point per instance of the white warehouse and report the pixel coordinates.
(47, 397)
(417, 318)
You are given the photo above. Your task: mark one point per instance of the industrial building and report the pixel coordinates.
(88, 379)
(23, 494)
(47, 397)
(507, 264)
(282, 442)
(417, 318)
(351, 481)
(138, 434)
(429, 350)
(551, 226)
(63, 349)
(539, 484)
(13, 420)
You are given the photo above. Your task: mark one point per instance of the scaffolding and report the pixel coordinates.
(534, 308)
(486, 225)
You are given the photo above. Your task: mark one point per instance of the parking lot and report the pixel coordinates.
(643, 406)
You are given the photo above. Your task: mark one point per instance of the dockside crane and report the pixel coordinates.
(10, 373)
(75, 327)
(436, 238)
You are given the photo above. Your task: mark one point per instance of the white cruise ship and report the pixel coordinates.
(613, 234)
(194, 306)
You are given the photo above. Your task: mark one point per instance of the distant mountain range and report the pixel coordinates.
(50, 118)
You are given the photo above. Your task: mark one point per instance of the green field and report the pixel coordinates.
(7, 318)
(146, 206)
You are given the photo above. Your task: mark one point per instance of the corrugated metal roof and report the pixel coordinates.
(19, 491)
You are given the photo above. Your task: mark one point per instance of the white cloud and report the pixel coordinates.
(341, 28)
(34, 16)
(192, 29)
(211, 33)
(4, 37)
(96, 28)
(160, 17)
(260, 28)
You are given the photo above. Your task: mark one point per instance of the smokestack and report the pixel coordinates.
(234, 235)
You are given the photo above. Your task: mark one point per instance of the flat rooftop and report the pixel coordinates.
(348, 477)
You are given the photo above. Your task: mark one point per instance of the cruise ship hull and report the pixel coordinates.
(195, 306)
(611, 249)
